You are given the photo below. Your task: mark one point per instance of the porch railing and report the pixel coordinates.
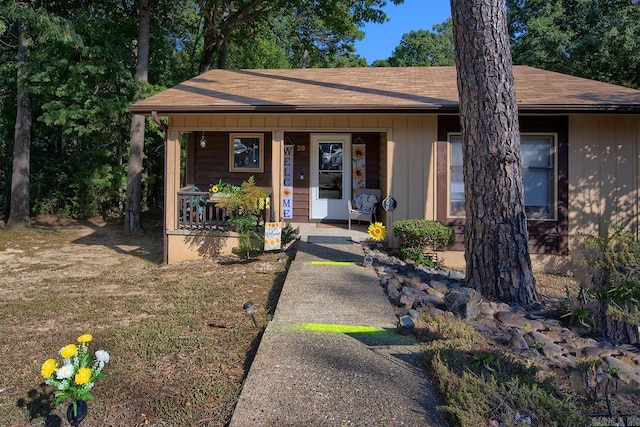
(197, 211)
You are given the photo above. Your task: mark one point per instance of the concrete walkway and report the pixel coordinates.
(331, 355)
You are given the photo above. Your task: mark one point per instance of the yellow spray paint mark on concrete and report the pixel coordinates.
(332, 263)
(340, 329)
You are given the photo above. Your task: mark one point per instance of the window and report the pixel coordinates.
(539, 172)
(246, 152)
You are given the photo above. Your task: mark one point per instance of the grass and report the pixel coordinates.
(482, 385)
(179, 341)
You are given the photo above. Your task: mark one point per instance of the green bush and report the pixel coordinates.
(613, 261)
(289, 234)
(418, 236)
(245, 207)
(423, 233)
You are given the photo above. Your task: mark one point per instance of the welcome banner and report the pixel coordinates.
(287, 183)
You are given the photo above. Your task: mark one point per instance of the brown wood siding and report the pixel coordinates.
(212, 163)
(545, 237)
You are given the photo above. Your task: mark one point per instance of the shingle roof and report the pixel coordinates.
(412, 89)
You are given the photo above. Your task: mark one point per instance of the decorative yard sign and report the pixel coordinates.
(272, 236)
(287, 183)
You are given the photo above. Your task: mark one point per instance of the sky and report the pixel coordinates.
(380, 39)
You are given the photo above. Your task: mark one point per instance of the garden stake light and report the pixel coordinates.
(248, 309)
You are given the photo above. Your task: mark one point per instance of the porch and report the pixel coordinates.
(198, 210)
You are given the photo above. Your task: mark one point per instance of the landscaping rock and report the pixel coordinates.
(511, 319)
(440, 286)
(534, 333)
(517, 340)
(464, 302)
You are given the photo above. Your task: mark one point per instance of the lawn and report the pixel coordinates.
(179, 341)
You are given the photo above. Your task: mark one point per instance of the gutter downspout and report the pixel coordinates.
(165, 239)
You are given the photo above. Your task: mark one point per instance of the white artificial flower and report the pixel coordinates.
(66, 371)
(102, 357)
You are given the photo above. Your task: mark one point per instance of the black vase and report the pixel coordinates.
(75, 417)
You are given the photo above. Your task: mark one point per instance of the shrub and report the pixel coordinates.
(245, 206)
(289, 234)
(423, 233)
(612, 262)
(420, 235)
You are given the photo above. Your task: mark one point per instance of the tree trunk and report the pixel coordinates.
(498, 264)
(19, 212)
(133, 203)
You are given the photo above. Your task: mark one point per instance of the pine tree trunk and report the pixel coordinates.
(498, 264)
(19, 211)
(133, 203)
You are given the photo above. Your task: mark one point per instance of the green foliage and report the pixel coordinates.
(479, 388)
(420, 235)
(423, 233)
(250, 239)
(245, 206)
(424, 48)
(417, 255)
(289, 234)
(613, 262)
(597, 39)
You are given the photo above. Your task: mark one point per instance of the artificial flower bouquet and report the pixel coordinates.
(222, 187)
(77, 374)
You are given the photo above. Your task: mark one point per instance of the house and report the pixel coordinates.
(310, 136)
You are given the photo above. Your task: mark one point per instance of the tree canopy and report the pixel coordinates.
(81, 69)
(596, 39)
(423, 48)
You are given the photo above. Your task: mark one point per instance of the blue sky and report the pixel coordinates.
(380, 39)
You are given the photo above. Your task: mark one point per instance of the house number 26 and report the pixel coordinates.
(301, 148)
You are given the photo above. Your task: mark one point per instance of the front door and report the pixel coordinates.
(330, 176)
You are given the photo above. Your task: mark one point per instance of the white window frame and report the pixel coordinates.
(553, 207)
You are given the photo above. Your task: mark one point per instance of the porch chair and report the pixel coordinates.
(364, 203)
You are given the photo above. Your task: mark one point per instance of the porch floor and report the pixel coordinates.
(318, 232)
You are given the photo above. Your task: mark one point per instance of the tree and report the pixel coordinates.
(423, 48)
(133, 204)
(498, 263)
(28, 22)
(328, 23)
(19, 213)
(596, 39)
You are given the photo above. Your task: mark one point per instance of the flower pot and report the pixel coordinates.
(76, 416)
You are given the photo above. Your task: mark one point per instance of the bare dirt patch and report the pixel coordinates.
(179, 340)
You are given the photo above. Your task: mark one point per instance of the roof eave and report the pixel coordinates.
(371, 109)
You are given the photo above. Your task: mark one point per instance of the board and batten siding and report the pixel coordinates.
(604, 173)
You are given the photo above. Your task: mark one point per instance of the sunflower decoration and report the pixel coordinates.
(214, 189)
(358, 153)
(358, 172)
(286, 192)
(377, 231)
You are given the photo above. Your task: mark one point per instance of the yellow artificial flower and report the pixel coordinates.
(377, 231)
(69, 351)
(85, 338)
(48, 368)
(215, 189)
(83, 376)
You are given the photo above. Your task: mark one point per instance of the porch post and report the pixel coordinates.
(171, 185)
(277, 146)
